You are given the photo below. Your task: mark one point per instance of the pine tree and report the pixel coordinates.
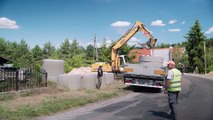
(104, 52)
(2, 47)
(64, 50)
(48, 50)
(75, 48)
(89, 52)
(194, 48)
(37, 54)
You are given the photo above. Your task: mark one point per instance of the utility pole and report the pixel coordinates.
(95, 56)
(204, 47)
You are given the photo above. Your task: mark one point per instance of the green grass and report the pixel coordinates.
(53, 105)
(26, 93)
(6, 97)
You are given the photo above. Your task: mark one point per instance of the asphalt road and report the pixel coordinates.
(195, 103)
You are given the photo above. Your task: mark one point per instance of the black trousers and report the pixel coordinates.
(98, 84)
(173, 102)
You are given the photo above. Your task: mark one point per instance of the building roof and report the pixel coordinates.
(139, 52)
(3, 60)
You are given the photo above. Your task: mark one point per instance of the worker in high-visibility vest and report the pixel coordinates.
(173, 87)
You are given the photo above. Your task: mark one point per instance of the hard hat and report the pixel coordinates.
(171, 62)
(100, 64)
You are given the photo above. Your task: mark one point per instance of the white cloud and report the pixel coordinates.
(8, 24)
(174, 30)
(134, 39)
(70, 41)
(172, 21)
(158, 23)
(183, 22)
(120, 24)
(210, 30)
(108, 42)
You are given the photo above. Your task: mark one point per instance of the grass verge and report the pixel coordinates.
(52, 102)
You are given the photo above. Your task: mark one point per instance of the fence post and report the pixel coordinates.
(45, 78)
(17, 86)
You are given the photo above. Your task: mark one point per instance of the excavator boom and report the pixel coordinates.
(138, 26)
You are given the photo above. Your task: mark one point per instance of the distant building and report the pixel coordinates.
(3, 61)
(136, 53)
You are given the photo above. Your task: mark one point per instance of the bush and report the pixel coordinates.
(210, 68)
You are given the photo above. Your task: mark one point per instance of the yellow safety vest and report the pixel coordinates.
(175, 83)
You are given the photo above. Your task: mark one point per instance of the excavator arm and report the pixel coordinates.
(138, 26)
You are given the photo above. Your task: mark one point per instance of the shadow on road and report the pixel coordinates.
(161, 114)
(142, 89)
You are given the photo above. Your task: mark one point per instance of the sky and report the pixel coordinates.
(40, 21)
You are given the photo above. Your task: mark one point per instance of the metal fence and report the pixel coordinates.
(13, 79)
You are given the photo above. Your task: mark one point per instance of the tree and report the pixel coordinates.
(2, 47)
(194, 47)
(178, 55)
(64, 50)
(209, 55)
(104, 52)
(72, 54)
(163, 45)
(10, 50)
(21, 55)
(48, 50)
(125, 49)
(209, 42)
(89, 52)
(209, 59)
(74, 62)
(37, 54)
(75, 48)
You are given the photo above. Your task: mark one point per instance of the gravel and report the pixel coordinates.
(81, 70)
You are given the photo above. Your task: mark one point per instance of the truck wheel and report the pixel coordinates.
(135, 89)
(159, 90)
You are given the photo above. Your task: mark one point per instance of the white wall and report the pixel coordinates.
(53, 68)
(163, 52)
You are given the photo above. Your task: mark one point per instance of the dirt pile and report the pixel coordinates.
(81, 70)
(210, 73)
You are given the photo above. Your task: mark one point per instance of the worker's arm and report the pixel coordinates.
(167, 83)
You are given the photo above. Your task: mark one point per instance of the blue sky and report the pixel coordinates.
(40, 21)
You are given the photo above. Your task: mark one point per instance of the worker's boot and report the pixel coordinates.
(98, 85)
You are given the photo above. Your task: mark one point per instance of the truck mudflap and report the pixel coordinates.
(144, 81)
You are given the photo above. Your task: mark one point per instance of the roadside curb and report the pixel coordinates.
(199, 75)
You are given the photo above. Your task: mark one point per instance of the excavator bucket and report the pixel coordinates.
(151, 42)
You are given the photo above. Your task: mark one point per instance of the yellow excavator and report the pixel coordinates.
(115, 66)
